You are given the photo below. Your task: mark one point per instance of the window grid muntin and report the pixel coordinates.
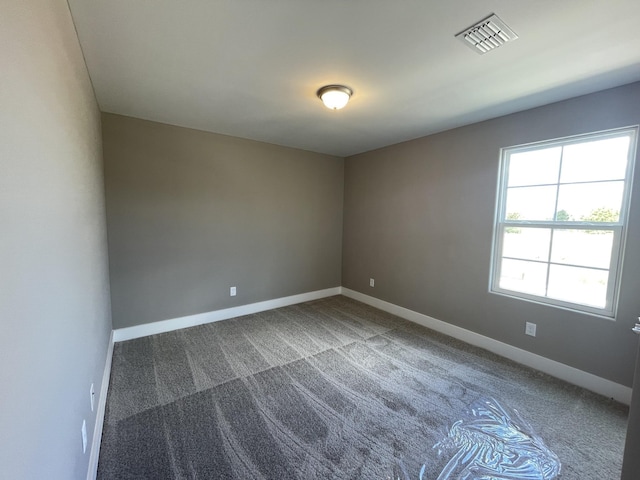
(618, 228)
(617, 232)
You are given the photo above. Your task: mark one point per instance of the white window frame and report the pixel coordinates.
(619, 228)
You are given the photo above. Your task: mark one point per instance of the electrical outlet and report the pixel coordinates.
(372, 282)
(232, 292)
(530, 329)
(92, 396)
(84, 436)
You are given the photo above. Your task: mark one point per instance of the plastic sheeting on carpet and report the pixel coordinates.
(491, 443)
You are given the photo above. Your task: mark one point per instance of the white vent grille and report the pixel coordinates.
(487, 35)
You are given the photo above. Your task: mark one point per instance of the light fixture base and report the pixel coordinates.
(334, 97)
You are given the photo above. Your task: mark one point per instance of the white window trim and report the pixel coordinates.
(619, 228)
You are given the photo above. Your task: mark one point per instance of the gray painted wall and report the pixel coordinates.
(418, 218)
(631, 463)
(54, 290)
(192, 213)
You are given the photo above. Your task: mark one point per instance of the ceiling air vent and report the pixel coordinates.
(487, 35)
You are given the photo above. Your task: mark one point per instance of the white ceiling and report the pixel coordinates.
(251, 68)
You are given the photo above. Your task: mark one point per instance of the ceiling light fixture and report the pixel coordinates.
(335, 97)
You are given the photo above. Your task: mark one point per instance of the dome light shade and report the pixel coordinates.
(335, 97)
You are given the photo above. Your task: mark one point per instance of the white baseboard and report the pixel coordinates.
(559, 370)
(129, 333)
(100, 412)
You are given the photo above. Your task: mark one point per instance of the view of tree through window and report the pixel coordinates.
(560, 221)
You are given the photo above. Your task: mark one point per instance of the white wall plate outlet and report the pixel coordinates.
(372, 282)
(530, 329)
(232, 292)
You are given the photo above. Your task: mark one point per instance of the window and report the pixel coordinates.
(561, 220)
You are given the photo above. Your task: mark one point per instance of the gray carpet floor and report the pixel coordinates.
(335, 389)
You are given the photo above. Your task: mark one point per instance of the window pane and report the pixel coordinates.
(559, 224)
(598, 160)
(588, 248)
(534, 167)
(522, 276)
(526, 243)
(530, 203)
(591, 202)
(578, 285)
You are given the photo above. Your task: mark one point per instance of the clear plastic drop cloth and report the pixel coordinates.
(493, 443)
